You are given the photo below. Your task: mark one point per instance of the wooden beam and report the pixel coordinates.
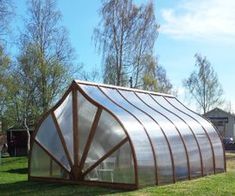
(75, 127)
(111, 151)
(62, 139)
(111, 185)
(51, 156)
(90, 138)
(167, 141)
(194, 135)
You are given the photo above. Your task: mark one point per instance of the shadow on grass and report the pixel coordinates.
(18, 171)
(39, 188)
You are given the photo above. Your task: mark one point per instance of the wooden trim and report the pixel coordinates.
(41, 119)
(199, 149)
(113, 185)
(121, 124)
(90, 137)
(151, 145)
(167, 141)
(62, 139)
(208, 137)
(181, 137)
(75, 127)
(110, 152)
(45, 115)
(50, 155)
(154, 153)
(121, 88)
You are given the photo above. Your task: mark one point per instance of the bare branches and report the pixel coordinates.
(126, 34)
(204, 86)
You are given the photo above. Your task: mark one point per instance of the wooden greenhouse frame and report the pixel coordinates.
(172, 111)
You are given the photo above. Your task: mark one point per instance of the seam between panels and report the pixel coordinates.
(212, 149)
(182, 139)
(167, 141)
(62, 140)
(194, 136)
(90, 138)
(50, 155)
(154, 153)
(137, 121)
(121, 124)
(106, 155)
(216, 133)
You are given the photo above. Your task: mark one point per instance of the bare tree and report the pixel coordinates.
(125, 35)
(203, 85)
(6, 11)
(45, 52)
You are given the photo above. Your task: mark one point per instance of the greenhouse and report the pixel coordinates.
(125, 138)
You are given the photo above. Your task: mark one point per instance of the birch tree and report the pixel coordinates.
(203, 85)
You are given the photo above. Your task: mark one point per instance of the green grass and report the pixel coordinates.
(13, 181)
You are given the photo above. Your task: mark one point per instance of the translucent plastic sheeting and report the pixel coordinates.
(152, 129)
(64, 116)
(142, 147)
(108, 134)
(42, 165)
(176, 143)
(118, 168)
(187, 135)
(86, 115)
(213, 135)
(48, 137)
(200, 134)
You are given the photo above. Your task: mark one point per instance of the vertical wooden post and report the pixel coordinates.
(75, 169)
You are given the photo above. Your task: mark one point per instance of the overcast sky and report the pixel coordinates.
(186, 27)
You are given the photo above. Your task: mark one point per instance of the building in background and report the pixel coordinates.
(17, 141)
(224, 121)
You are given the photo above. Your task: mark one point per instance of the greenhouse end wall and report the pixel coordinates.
(123, 138)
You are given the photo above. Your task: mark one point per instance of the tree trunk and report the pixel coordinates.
(28, 135)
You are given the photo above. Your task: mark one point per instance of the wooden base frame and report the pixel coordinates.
(121, 186)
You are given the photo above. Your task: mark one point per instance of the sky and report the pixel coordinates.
(186, 27)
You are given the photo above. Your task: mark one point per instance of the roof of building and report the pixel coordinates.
(219, 110)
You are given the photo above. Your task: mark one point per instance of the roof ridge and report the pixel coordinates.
(122, 88)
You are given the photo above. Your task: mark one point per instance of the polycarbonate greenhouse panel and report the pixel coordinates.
(203, 141)
(122, 138)
(136, 132)
(117, 168)
(43, 165)
(108, 134)
(152, 130)
(86, 113)
(64, 118)
(175, 141)
(213, 135)
(187, 137)
(48, 137)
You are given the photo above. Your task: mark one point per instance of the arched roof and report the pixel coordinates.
(167, 142)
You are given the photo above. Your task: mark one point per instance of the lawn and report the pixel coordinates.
(13, 181)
